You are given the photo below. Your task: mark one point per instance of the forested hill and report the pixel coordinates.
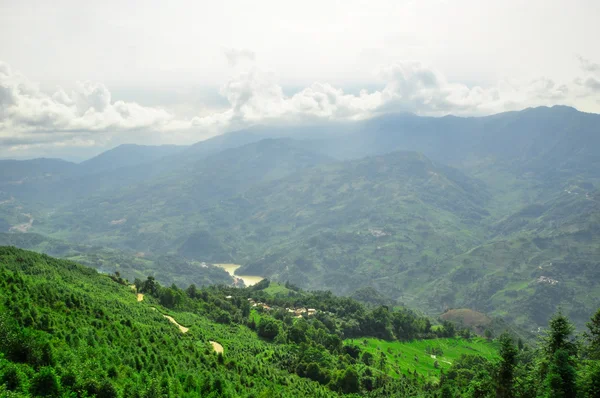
(66, 330)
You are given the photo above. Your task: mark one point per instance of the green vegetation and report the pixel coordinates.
(66, 330)
(429, 358)
(168, 269)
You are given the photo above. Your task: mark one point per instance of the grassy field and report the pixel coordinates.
(406, 357)
(277, 288)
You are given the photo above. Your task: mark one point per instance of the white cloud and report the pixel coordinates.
(26, 110)
(88, 115)
(588, 65)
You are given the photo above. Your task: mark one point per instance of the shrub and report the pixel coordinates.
(45, 383)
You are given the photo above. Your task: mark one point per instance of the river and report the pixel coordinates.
(249, 280)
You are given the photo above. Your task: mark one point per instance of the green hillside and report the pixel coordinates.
(66, 330)
(429, 358)
(167, 269)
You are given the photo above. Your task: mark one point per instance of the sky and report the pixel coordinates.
(77, 78)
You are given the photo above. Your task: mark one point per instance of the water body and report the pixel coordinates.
(249, 280)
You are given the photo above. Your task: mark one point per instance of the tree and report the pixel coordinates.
(508, 353)
(367, 358)
(560, 350)
(593, 336)
(447, 391)
(12, 378)
(349, 382)
(268, 328)
(297, 333)
(488, 334)
(590, 380)
(561, 377)
(448, 329)
(245, 307)
(558, 336)
(192, 291)
(149, 286)
(45, 383)
(107, 390)
(382, 361)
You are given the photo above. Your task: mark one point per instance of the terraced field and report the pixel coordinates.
(403, 358)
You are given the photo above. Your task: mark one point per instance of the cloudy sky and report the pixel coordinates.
(77, 77)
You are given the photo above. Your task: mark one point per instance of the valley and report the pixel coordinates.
(248, 280)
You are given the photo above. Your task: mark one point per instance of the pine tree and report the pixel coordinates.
(561, 378)
(558, 336)
(508, 353)
(593, 336)
(560, 351)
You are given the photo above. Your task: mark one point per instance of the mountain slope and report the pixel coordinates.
(126, 156)
(67, 330)
(174, 205)
(166, 269)
(86, 332)
(541, 257)
(358, 222)
(347, 224)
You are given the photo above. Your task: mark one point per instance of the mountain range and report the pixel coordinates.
(498, 214)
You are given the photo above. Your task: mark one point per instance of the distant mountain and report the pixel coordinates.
(51, 182)
(126, 156)
(316, 134)
(180, 198)
(311, 225)
(357, 223)
(19, 172)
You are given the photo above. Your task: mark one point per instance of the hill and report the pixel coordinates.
(160, 214)
(66, 329)
(361, 222)
(308, 223)
(167, 269)
(475, 321)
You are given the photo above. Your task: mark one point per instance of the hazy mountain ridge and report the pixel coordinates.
(127, 155)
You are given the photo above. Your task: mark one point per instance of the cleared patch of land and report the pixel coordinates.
(403, 358)
(182, 328)
(140, 297)
(217, 347)
(23, 227)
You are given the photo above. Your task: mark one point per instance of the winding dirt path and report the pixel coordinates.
(182, 328)
(216, 346)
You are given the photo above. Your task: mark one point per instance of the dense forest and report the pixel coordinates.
(67, 330)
